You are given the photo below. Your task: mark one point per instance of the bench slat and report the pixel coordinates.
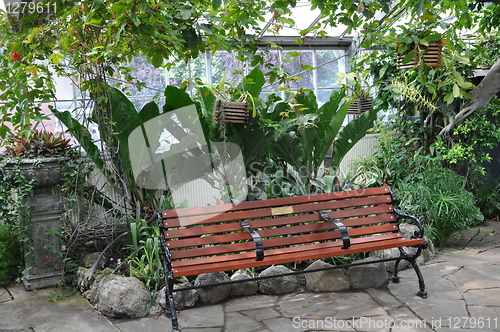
(275, 202)
(237, 213)
(241, 236)
(334, 249)
(197, 230)
(280, 242)
(357, 216)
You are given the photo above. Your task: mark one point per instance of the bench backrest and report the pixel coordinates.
(285, 225)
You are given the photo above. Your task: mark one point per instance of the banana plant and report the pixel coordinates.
(124, 118)
(304, 144)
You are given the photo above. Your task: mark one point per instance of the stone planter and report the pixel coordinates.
(43, 259)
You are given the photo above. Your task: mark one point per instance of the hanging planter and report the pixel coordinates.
(231, 112)
(431, 56)
(360, 105)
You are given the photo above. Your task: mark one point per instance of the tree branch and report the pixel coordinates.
(482, 94)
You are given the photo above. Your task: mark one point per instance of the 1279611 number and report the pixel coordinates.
(29, 7)
(473, 322)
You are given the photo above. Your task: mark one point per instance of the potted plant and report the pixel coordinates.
(361, 100)
(418, 45)
(32, 167)
(231, 106)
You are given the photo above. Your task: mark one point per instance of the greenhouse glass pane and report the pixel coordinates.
(293, 63)
(187, 72)
(226, 65)
(328, 66)
(154, 79)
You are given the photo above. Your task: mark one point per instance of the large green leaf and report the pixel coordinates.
(331, 118)
(253, 82)
(148, 112)
(351, 134)
(255, 144)
(82, 135)
(176, 98)
(290, 150)
(123, 114)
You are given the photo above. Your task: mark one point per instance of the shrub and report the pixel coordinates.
(487, 194)
(438, 196)
(10, 255)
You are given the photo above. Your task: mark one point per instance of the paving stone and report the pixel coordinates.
(435, 309)
(488, 297)
(283, 324)
(490, 254)
(31, 311)
(327, 324)
(342, 305)
(401, 313)
(211, 329)
(461, 259)
(205, 316)
(442, 269)
(466, 279)
(411, 324)
(144, 324)
(262, 314)
(490, 316)
(384, 297)
(251, 302)
(236, 321)
(436, 285)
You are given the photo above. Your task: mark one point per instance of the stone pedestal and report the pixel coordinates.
(43, 259)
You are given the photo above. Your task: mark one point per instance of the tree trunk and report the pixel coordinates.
(483, 93)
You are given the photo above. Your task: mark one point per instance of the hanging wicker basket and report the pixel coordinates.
(431, 56)
(231, 112)
(360, 105)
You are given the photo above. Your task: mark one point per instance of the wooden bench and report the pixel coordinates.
(277, 231)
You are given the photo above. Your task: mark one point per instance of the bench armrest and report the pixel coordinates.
(418, 234)
(399, 216)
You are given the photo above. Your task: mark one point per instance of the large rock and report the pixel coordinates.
(119, 296)
(85, 279)
(89, 260)
(211, 295)
(325, 281)
(407, 231)
(278, 285)
(369, 275)
(183, 299)
(243, 288)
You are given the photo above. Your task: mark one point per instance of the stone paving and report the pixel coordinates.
(463, 283)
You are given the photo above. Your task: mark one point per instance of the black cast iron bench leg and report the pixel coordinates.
(413, 261)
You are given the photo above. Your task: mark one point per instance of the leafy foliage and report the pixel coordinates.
(438, 196)
(475, 136)
(10, 255)
(487, 194)
(430, 191)
(287, 139)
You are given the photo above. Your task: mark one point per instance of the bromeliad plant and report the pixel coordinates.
(30, 144)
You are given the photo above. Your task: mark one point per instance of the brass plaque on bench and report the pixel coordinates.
(282, 210)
